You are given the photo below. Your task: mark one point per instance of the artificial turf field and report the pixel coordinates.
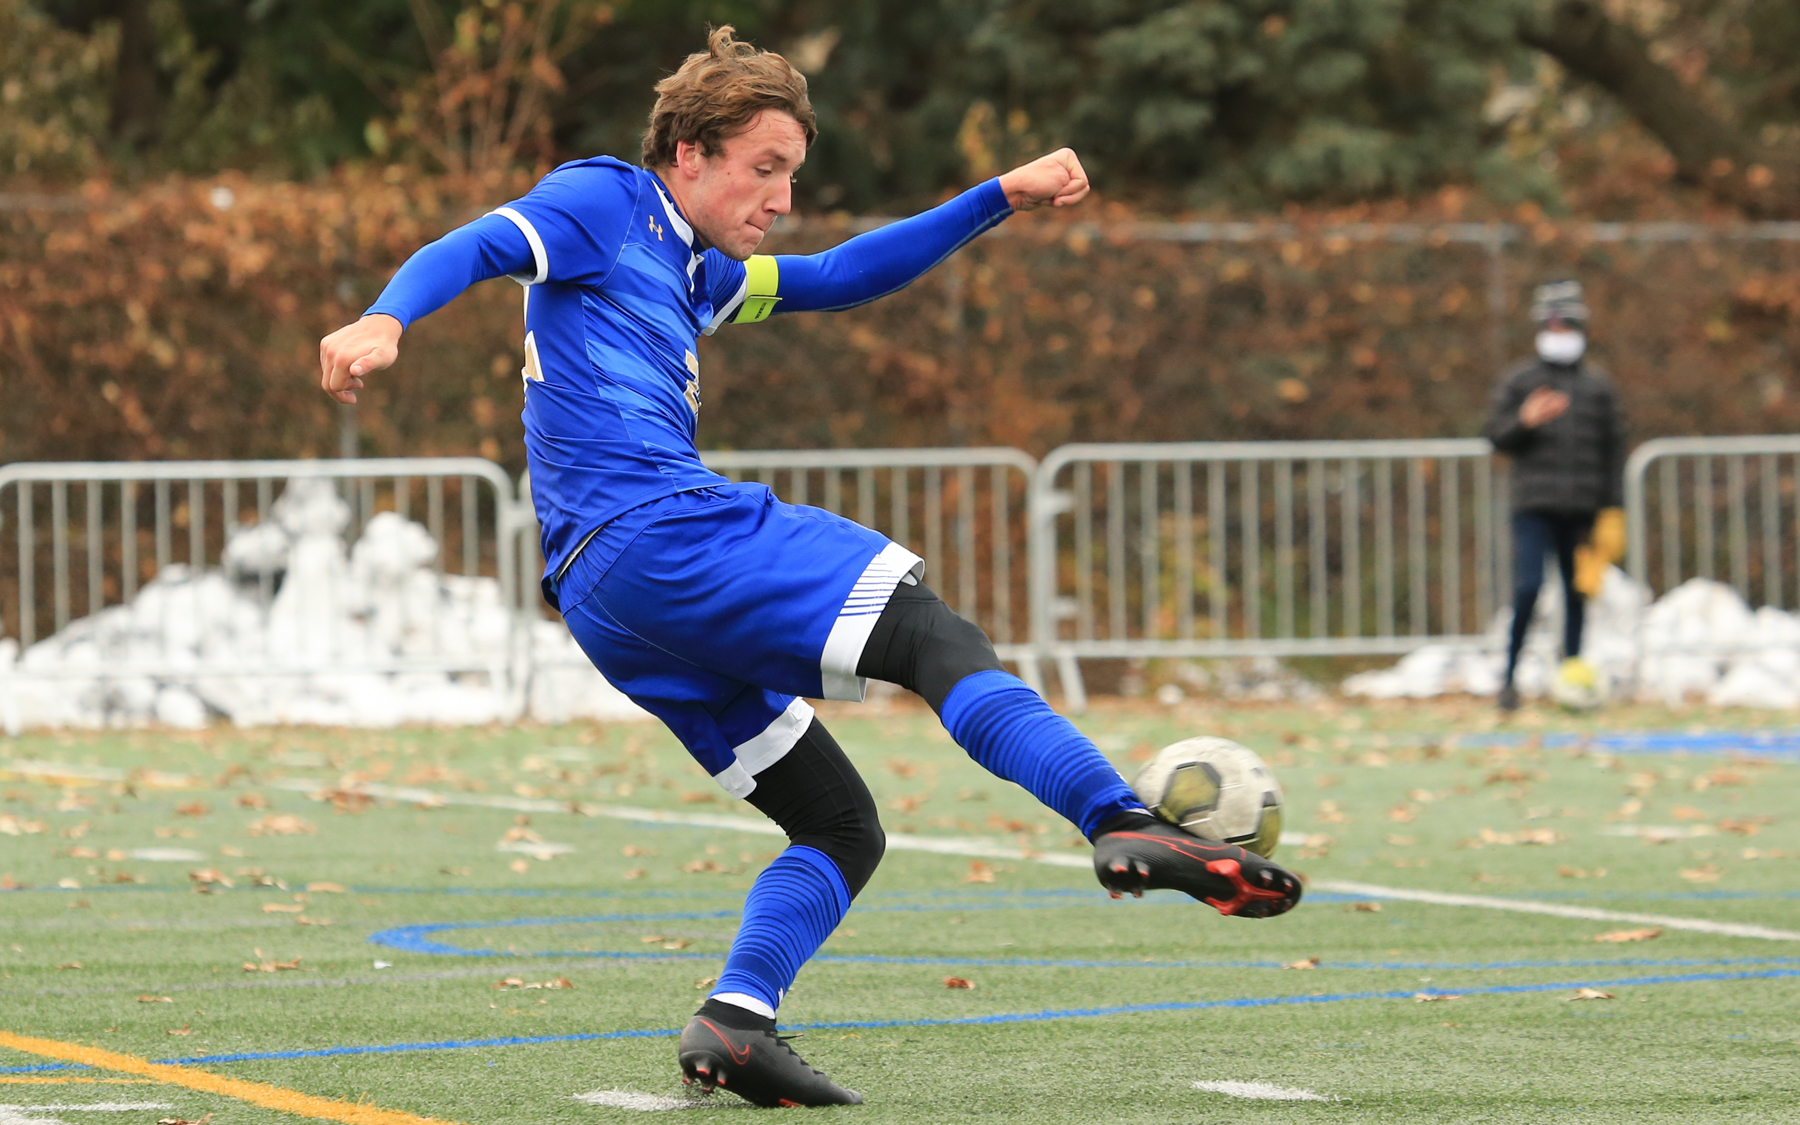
(161, 911)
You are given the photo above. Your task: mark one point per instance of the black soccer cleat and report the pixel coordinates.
(1154, 855)
(758, 1066)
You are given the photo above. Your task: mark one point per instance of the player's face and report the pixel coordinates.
(736, 193)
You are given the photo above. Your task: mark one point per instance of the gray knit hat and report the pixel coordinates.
(1563, 300)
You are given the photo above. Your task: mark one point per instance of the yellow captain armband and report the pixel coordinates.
(763, 280)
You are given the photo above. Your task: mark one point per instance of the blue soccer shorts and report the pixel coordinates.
(719, 608)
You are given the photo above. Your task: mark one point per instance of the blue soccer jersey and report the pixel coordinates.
(616, 298)
(615, 301)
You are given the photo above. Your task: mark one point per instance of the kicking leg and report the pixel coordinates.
(920, 644)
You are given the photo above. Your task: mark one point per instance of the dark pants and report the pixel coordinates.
(1535, 535)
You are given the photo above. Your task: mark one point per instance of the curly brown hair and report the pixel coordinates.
(718, 92)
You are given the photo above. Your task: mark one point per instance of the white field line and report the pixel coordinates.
(1556, 910)
(626, 1099)
(93, 1107)
(1262, 1091)
(977, 847)
(37, 1114)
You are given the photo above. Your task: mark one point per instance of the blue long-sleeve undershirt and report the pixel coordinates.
(887, 258)
(489, 247)
(866, 267)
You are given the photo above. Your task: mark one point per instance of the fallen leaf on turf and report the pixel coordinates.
(1740, 827)
(69, 884)
(1366, 907)
(636, 873)
(979, 872)
(453, 871)
(519, 866)
(706, 982)
(346, 800)
(1303, 963)
(282, 824)
(283, 907)
(271, 966)
(193, 808)
(325, 888)
(149, 999)
(1568, 872)
(1433, 997)
(83, 853)
(11, 825)
(184, 1029)
(1646, 934)
(1687, 812)
(70, 965)
(518, 982)
(515, 834)
(252, 801)
(207, 876)
(1722, 776)
(183, 1120)
(303, 920)
(958, 982)
(1589, 994)
(1707, 873)
(1402, 841)
(632, 851)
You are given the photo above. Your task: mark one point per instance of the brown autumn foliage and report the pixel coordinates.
(181, 320)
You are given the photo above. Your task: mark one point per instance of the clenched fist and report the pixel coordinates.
(1056, 180)
(356, 350)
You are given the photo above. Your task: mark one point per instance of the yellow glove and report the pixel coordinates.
(1605, 546)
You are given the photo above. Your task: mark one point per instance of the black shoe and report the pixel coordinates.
(1508, 699)
(758, 1066)
(1154, 855)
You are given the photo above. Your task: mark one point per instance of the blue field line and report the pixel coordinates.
(414, 939)
(1775, 742)
(1044, 1016)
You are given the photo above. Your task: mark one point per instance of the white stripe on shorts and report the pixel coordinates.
(764, 750)
(850, 632)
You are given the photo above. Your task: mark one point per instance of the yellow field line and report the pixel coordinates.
(256, 1093)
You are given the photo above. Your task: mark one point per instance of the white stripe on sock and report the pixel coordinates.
(745, 1001)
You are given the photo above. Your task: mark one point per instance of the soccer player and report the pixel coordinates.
(714, 605)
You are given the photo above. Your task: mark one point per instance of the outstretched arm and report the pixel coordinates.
(491, 246)
(889, 258)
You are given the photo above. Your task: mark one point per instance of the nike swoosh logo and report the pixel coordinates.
(730, 1048)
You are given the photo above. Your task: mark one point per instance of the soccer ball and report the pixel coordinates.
(1578, 686)
(1215, 789)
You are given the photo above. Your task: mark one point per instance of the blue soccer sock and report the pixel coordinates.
(792, 908)
(1012, 733)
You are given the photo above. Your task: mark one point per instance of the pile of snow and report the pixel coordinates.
(1701, 641)
(292, 629)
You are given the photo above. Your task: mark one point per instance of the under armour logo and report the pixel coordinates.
(655, 227)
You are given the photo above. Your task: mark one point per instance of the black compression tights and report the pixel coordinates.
(813, 792)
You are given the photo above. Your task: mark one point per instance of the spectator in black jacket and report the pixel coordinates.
(1558, 419)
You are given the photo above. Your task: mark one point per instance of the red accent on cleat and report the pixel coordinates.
(785, 1104)
(1246, 894)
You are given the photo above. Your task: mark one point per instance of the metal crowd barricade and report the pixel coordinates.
(961, 510)
(89, 536)
(1220, 549)
(1726, 508)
